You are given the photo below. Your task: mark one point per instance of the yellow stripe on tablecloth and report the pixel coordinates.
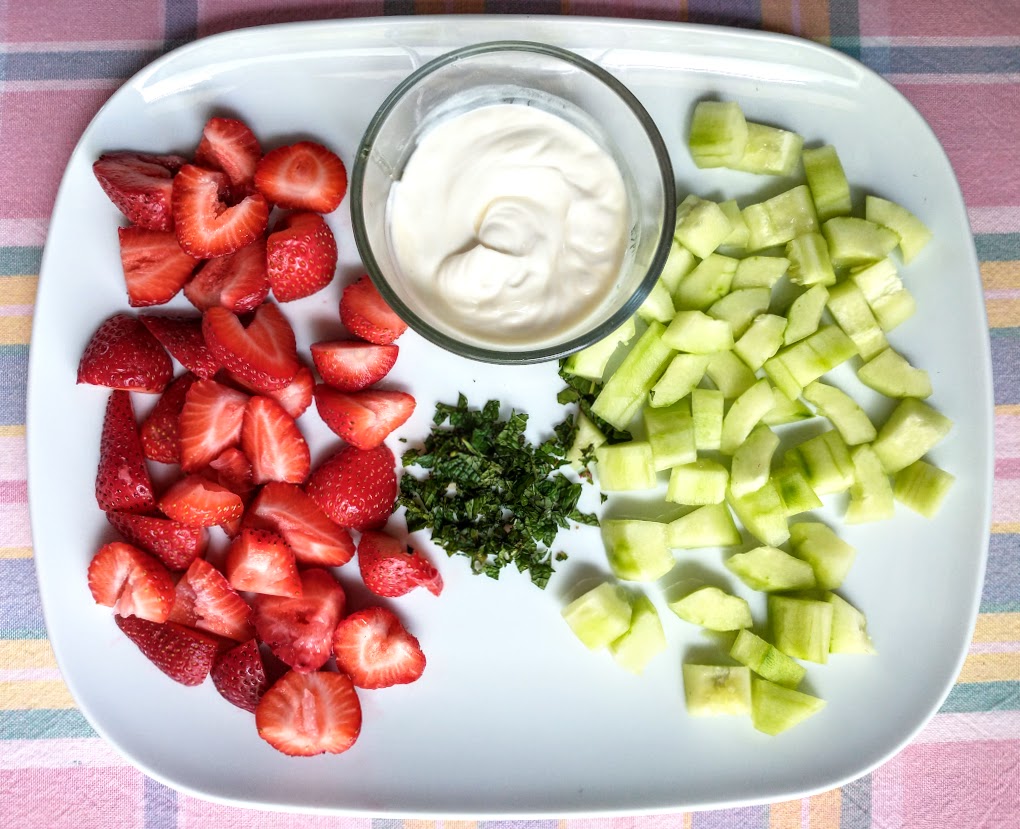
(1000, 276)
(824, 809)
(15, 330)
(19, 654)
(15, 552)
(1003, 311)
(419, 824)
(997, 627)
(991, 667)
(35, 694)
(12, 430)
(785, 815)
(18, 290)
(1003, 527)
(1007, 410)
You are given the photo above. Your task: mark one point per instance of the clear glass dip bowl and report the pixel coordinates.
(559, 82)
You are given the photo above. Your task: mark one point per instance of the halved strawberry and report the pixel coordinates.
(140, 185)
(260, 561)
(296, 396)
(302, 176)
(240, 676)
(199, 502)
(375, 651)
(160, 432)
(300, 256)
(122, 354)
(183, 654)
(273, 443)
(155, 267)
(363, 418)
(308, 531)
(263, 355)
(205, 600)
(182, 337)
(307, 714)
(391, 569)
(229, 145)
(122, 480)
(132, 582)
(356, 488)
(237, 281)
(300, 630)
(210, 422)
(366, 314)
(173, 543)
(232, 469)
(352, 365)
(205, 225)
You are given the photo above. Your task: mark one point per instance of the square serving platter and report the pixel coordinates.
(513, 717)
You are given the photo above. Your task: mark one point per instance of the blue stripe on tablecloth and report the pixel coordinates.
(159, 805)
(90, 64)
(997, 247)
(745, 817)
(180, 22)
(855, 803)
(1005, 345)
(1002, 578)
(16, 260)
(983, 696)
(941, 59)
(21, 610)
(13, 381)
(44, 724)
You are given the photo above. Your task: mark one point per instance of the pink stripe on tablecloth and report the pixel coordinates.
(23, 232)
(30, 675)
(83, 797)
(59, 754)
(59, 22)
(13, 463)
(199, 814)
(1003, 219)
(1005, 500)
(967, 727)
(995, 647)
(1007, 468)
(936, 17)
(15, 530)
(14, 492)
(887, 794)
(222, 15)
(16, 310)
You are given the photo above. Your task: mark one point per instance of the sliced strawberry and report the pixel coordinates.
(302, 176)
(300, 630)
(155, 267)
(365, 313)
(356, 488)
(229, 145)
(363, 418)
(352, 365)
(122, 480)
(375, 651)
(122, 354)
(140, 185)
(232, 469)
(300, 256)
(240, 676)
(296, 396)
(263, 355)
(205, 225)
(183, 654)
(205, 600)
(260, 561)
(210, 422)
(132, 582)
(290, 511)
(173, 543)
(273, 443)
(391, 569)
(199, 502)
(182, 337)
(237, 281)
(232, 527)
(307, 714)
(161, 434)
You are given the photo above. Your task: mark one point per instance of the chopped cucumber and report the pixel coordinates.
(769, 151)
(740, 307)
(762, 513)
(809, 260)
(871, 494)
(825, 461)
(670, 432)
(587, 438)
(829, 187)
(912, 232)
(714, 690)
(759, 271)
(729, 374)
(794, 489)
(781, 218)
(923, 487)
(753, 460)
(911, 431)
(766, 660)
(683, 373)
(718, 134)
(707, 413)
(643, 641)
(853, 314)
(761, 340)
(769, 569)
(714, 609)
(785, 410)
(801, 628)
(805, 361)
(707, 526)
(890, 374)
(849, 628)
(745, 413)
(591, 362)
(850, 420)
(854, 241)
(626, 389)
(739, 235)
(623, 467)
(697, 333)
(775, 709)
(658, 305)
(695, 484)
(883, 289)
(600, 616)
(701, 225)
(829, 555)
(710, 280)
(679, 263)
(637, 550)
(805, 314)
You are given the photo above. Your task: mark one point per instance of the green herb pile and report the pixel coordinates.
(582, 391)
(488, 493)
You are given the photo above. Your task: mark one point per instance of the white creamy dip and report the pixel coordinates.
(513, 219)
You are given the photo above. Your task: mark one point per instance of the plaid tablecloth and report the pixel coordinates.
(958, 62)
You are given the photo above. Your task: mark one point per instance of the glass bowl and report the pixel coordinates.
(558, 82)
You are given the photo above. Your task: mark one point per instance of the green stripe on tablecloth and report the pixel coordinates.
(16, 260)
(997, 247)
(982, 696)
(44, 724)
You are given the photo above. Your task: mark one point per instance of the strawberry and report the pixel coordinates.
(273, 443)
(160, 432)
(352, 365)
(122, 480)
(240, 676)
(229, 145)
(173, 543)
(302, 176)
(300, 630)
(307, 714)
(375, 651)
(289, 511)
(204, 224)
(296, 396)
(133, 583)
(261, 562)
(140, 186)
(210, 422)
(363, 418)
(183, 654)
(365, 313)
(205, 600)
(199, 502)
(122, 354)
(182, 337)
(237, 281)
(155, 267)
(232, 469)
(263, 355)
(300, 256)
(356, 488)
(391, 569)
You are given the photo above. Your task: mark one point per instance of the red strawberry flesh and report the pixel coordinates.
(309, 532)
(204, 223)
(365, 313)
(302, 176)
(308, 714)
(375, 651)
(155, 267)
(122, 480)
(122, 354)
(352, 365)
(206, 600)
(390, 569)
(140, 185)
(131, 581)
(183, 654)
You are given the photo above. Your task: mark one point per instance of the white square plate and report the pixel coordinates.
(513, 717)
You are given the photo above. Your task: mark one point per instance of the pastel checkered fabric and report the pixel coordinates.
(958, 63)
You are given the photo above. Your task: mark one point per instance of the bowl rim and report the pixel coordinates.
(548, 352)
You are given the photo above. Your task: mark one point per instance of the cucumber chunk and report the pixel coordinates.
(890, 374)
(761, 340)
(740, 307)
(745, 413)
(670, 432)
(829, 187)
(805, 314)
(708, 526)
(697, 333)
(718, 134)
(643, 641)
(769, 151)
(658, 305)
(762, 513)
(683, 373)
(714, 690)
(626, 389)
(801, 628)
(637, 550)
(854, 241)
(753, 460)
(709, 281)
(679, 263)
(794, 489)
(729, 374)
(849, 628)
(624, 467)
(805, 361)
(587, 438)
(591, 362)
(912, 232)
(600, 616)
(695, 484)
(774, 709)
(871, 495)
(912, 430)
(890, 302)
(759, 271)
(825, 462)
(829, 555)
(853, 314)
(739, 234)
(769, 569)
(923, 487)
(701, 225)
(809, 260)
(707, 413)
(850, 420)
(785, 410)
(781, 218)
(714, 609)
(766, 660)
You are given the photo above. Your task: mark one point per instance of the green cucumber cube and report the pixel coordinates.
(752, 461)
(762, 513)
(759, 271)
(842, 410)
(683, 373)
(854, 241)
(745, 413)
(643, 641)
(679, 263)
(829, 187)
(697, 333)
(714, 609)
(718, 134)
(715, 690)
(587, 438)
(781, 218)
(740, 307)
(769, 151)
(658, 305)
(637, 550)
(766, 660)
(600, 616)
(805, 314)
(809, 260)
(923, 487)
(849, 628)
(829, 555)
(591, 362)
(890, 374)
(912, 430)
(695, 484)
(729, 374)
(770, 569)
(825, 461)
(739, 235)
(707, 413)
(710, 280)
(708, 526)
(761, 340)
(794, 489)
(775, 709)
(890, 302)
(626, 388)
(785, 410)
(801, 628)
(670, 432)
(853, 314)
(912, 233)
(701, 225)
(871, 494)
(623, 467)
